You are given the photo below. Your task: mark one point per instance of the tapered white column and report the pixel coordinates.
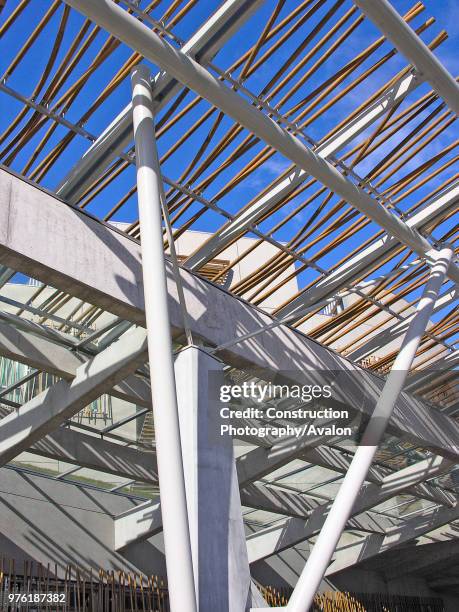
(167, 432)
(220, 561)
(340, 511)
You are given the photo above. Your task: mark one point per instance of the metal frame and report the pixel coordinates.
(191, 74)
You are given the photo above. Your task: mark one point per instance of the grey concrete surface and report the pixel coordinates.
(52, 521)
(43, 354)
(45, 412)
(137, 524)
(70, 446)
(220, 562)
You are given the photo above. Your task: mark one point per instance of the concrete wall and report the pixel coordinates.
(57, 522)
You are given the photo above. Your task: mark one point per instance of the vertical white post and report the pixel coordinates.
(168, 446)
(340, 511)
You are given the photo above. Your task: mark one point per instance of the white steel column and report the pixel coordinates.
(168, 446)
(341, 509)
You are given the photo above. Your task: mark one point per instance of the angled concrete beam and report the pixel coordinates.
(136, 35)
(250, 214)
(203, 45)
(37, 329)
(37, 352)
(260, 461)
(273, 499)
(332, 459)
(411, 479)
(137, 524)
(272, 540)
(44, 413)
(144, 521)
(95, 453)
(147, 521)
(410, 530)
(288, 503)
(43, 354)
(395, 29)
(215, 315)
(288, 532)
(374, 253)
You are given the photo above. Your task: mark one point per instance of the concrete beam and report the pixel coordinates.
(99, 454)
(37, 352)
(75, 240)
(45, 412)
(43, 354)
(410, 530)
(271, 499)
(145, 520)
(274, 499)
(137, 524)
(272, 540)
(332, 459)
(260, 461)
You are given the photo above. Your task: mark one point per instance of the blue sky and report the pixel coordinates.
(24, 78)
